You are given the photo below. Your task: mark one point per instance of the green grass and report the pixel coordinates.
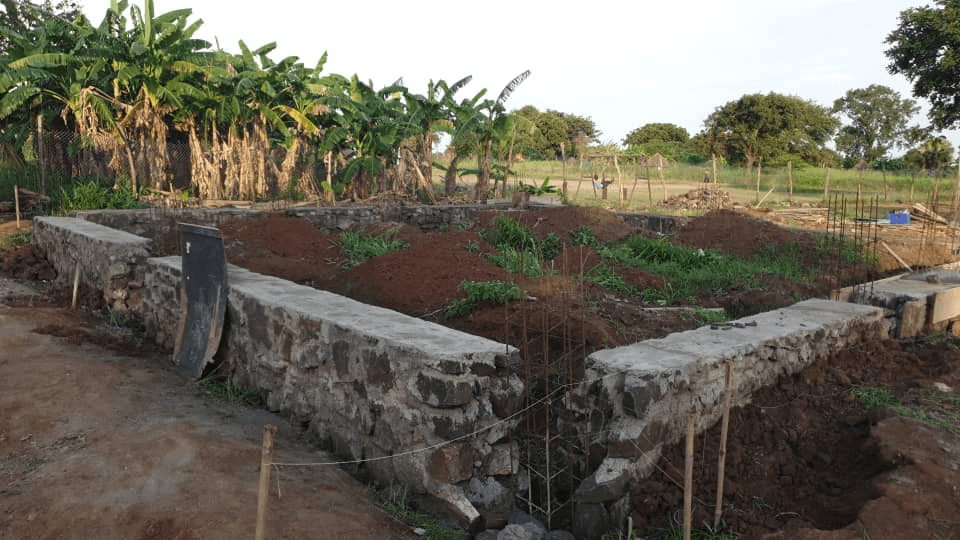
(397, 505)
(518, 249)
(16, 239)
(495, 292)
(808, 183)
(688, 271)
(925, 410)
(359, 246)
(221, 387)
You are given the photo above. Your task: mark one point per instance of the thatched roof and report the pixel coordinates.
(656, 161)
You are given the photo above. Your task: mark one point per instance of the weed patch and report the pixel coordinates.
(360, 247)
(221, 387)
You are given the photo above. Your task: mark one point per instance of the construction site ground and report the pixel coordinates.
(101, 437)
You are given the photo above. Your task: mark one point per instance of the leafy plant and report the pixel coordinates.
(118, 319)
(543, 189)
(519, 247)
(584, 237)
(496, 292)
(95, 195)
(359, 246)
(221, 387)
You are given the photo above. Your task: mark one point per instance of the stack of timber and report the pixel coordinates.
(29, 201)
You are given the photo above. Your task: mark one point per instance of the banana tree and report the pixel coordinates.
(426, 113)
(493, 126)
(373, 124)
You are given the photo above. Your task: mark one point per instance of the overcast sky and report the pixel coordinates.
(623, 64)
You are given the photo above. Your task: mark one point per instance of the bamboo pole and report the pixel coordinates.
(76, 285)
(41, 154)
(563, 169)
(688, 478)
(616, 165)
(826, 186)
(16, 204)
(790, 176)
(715, 179)
(759, 167)
(266, 461)
(724, 426)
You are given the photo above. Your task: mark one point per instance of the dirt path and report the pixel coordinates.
(96, 443)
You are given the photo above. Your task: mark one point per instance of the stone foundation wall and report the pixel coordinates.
(637, 398)
(108, 260)
(371, 382)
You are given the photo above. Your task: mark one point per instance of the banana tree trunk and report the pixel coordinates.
(450, 178)
(483, 180)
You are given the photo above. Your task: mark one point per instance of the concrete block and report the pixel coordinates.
(946, 305)
(913, 318)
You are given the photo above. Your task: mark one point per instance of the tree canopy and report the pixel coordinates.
(661, 132)
(925, 48)
(541, 134)
(768, 127)
(879, 120)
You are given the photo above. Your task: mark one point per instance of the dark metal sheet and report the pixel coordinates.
(203, 297)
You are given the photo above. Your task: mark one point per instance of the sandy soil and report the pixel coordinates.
(805, 457)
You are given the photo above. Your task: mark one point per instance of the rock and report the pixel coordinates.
(560, 535)
(443, 391)
(506, 396)
(522, 526)
(607, 483)
(451, 464)
(526, 531)
(489, 534)
(503, 460)
(590, 520)
(487, 493)
(457, 502)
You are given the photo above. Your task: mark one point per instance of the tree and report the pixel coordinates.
(492, 126)
(878, 121)
(656, 132)
(766, 127)
(22, 16)
(925, 48)
(934, 154)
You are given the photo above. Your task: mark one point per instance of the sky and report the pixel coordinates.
(622, 64)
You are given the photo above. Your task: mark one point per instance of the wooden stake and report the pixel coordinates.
(76, 285)
(764, 198)
(826, 186)
(790, 176)
(688, 478)
(266, 461)
(895, 256)
(722, 463)
(16, 204)
(663, 182)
